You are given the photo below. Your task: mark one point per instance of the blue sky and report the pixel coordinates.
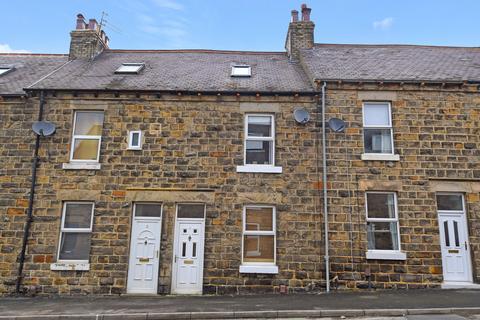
(43, 26)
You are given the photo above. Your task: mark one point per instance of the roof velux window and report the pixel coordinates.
(4, 70)
(241, 71)
(130, 68)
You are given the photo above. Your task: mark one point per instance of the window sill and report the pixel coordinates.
(270, 269)
(70, 266)
(386, 255)
(380, 156)
(134, 149)
(81, 166)
(259, 169)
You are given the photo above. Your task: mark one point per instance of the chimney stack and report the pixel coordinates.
(300, 33)
(87, 40)
(306, 12)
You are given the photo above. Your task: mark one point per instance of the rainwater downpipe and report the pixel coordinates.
(30, 201)
(325, 194)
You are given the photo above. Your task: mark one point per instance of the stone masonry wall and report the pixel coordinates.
(437, 137)
(195, 143)
(188, 145)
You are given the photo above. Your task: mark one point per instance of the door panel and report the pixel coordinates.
(188, 259)
(454, 244)
(144, 259)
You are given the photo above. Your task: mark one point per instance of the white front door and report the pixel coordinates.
(188, 252)
(454, 239)
(144, 249)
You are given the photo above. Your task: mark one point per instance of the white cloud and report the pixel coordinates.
(169, 4)
(383, 24)
(5, 48)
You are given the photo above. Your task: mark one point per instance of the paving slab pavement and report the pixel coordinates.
(335, 304)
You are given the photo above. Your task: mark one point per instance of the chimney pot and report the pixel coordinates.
(306, 12)
(92, 24)
(294, 16)
(80, 22)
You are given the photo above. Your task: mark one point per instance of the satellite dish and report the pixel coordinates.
(337, 125)
(301, 115)
(43, 128)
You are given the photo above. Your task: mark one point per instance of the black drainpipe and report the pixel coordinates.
(30, 201)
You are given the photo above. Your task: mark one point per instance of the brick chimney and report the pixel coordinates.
(87, 40)
(300, 33)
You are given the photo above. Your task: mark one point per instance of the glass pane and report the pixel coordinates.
(259, 152)
(191, 211)
(455, 232)
(194, 249)
(382, 236)
(241, 71)
(75, 246)
(184, 249)
(89, 123)
(447, 235)
(135, 139)
(259, 126)
(258, 249)
(85, 149)
(259, 219)
(78, 215)
(449, 202)
(377, 140)
(129, 68)
(148, 210)
(376, 115)
(381, 205)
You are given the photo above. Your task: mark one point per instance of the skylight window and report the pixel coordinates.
(130, 68)
(4, 70)
(241, 71)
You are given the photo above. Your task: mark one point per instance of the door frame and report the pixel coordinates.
(463, 215)
(160, 220)
(173, 289)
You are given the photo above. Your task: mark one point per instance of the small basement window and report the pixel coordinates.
(130, 68)
(4, 70)
(241, 71)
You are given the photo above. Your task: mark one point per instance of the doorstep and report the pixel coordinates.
(460, 285)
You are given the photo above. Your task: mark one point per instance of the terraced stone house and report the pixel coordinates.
(214, 172)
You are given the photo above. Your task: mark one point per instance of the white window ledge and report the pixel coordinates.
(81, 166)
(380, 156)
(386, 255)
(271, 269)
(259, 169)
(72, 266)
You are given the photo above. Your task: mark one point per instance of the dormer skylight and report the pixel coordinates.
(241, 71)
(4, 70)
(130, 68)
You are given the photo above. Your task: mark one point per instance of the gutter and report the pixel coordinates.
(325, 192)
(29, 220)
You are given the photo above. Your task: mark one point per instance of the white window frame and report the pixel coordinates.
(259, 267)
(260, 168)
(71, 230)
(385, 254)
(379, 156)
(240, 66)
(84, 137)
(130, 139)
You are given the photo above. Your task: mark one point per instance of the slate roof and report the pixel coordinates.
(182, 70)
(392, 63)
(28, 68)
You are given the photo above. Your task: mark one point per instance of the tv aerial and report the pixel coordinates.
(43, 128)
(301, 115)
